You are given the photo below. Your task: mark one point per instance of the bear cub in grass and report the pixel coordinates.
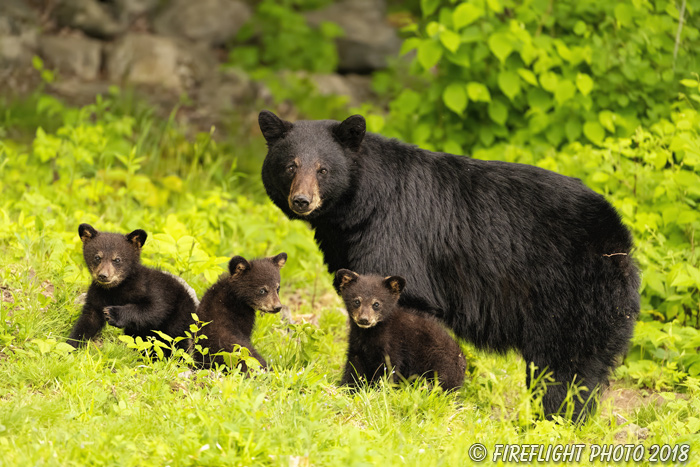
(128, 295)
(383, 332)
(229, 307)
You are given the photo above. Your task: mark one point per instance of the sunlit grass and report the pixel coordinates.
(106, 405)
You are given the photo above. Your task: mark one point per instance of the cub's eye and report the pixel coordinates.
(376, 306)
(262, 291)
(278, 290)
(356, 302)
(117, 260)
(97, 259)
(291, 168)
(323, 171)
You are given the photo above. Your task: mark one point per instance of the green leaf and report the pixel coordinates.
(509, 82)
(450, 40)
(528, 76)
(126, 339)
(486, 136)
(375, 123)
(495, 5)
(452, 147)
(623, 14)
(549, 81)
(572, 129)
(478, 92)
(429, 53)
(607, 119)
(498, 112)
(465, 14)
(37, 63)
(555, 134)
(409, 44)
(565, 90)
(455, 98)
(584, 83)
(429, 6)
(691, 83)
(539, 99)
(580, 28)
(594, 132)
(433, 28)
(501, 45)
(461, 57)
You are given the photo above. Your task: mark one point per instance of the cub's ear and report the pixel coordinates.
(343, 278)
(395, 284)
(237, 266)
(137, 237)
(273, 128)
(279, 260)
(351, 131)
(87, 232)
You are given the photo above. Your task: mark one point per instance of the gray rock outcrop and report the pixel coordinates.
(368, 38)
(214, 22)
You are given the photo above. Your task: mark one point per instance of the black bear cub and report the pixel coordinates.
(229, 307)
(128, 295)
(385, 336)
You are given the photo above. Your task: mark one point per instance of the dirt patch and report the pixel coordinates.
(627, 401)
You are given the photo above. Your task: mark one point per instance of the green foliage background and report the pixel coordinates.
(604, 91)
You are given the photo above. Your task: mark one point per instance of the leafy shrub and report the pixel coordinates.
(552, 72)
(285, 40)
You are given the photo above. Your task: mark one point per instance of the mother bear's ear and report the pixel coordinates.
(273, 128)
(351, 131)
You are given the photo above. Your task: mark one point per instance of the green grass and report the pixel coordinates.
(106, 405)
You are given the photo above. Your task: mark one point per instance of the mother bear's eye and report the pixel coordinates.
(323, 171)
(291, 168)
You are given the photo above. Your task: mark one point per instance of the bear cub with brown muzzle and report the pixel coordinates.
(388, 339)
(229, 307)
(128, 295)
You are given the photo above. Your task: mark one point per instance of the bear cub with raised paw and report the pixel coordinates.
(128, 295)
(229, 307)
(386, 338)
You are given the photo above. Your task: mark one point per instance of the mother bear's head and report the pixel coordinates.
(309, 164)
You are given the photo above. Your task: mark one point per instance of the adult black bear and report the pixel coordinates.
(128, 295)
(229, 307)
(508, 255)
(382, 330)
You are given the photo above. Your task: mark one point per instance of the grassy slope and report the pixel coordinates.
(104, 405)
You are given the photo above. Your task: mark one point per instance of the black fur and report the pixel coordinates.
(508, 255)
(384, 336)
(229, 307)
(125, 293)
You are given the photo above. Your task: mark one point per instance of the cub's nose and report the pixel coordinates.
(363, 322)
(102, 277)
(301, 202)
(277, 309)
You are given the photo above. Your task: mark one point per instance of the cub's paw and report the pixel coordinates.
(112, 316)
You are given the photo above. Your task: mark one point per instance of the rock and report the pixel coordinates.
(90, 16)
(17, 50)
(72, 55)
(226, 91)
(143, 59)
(16, 18)
(368, 38)
(18, 33)
(358, 88)
(212, 21)
(629, 431)
(132, 8)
